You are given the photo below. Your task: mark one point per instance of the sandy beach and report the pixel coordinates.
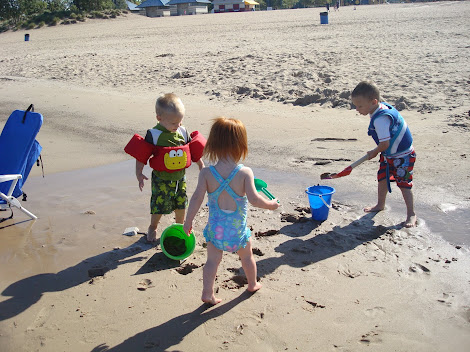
(354, 282)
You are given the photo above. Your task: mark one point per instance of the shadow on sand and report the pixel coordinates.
(173, 331)
(26, 292)
(299, 253)
(296, 252)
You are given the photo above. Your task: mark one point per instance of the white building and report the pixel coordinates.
(190, 7)
(156, 8)
(234, 5)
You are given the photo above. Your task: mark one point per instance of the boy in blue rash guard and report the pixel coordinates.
(394, 143)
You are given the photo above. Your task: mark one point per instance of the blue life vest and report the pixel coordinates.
(400, 135)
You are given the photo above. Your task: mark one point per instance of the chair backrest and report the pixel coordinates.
(19, 149)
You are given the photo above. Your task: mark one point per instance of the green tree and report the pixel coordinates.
(7, 9)
(93, 5)
(288, 4)
(120, 4)
(58, 5)
(32, 7)
(15, 9)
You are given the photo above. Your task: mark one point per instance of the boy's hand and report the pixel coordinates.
(187, 227)
(141, 178)
(381, 147)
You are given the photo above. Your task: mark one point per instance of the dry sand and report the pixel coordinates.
(356, 281)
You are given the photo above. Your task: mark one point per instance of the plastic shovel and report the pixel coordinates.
(346, 171)
(261, 186)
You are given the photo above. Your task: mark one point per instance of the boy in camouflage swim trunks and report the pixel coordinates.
(168, 188)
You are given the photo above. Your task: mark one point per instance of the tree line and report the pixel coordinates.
(16, 10)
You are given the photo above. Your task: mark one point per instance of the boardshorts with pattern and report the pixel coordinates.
(167, 196)
(400, 168)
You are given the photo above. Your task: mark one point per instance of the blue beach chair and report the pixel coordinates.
(19, 150)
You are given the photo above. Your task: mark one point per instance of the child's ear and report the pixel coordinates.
(159, 118)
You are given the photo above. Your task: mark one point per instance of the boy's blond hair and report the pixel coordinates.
(366, 89)
(169, 103)
(227, 139)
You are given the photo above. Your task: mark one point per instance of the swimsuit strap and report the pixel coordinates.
(224, 183)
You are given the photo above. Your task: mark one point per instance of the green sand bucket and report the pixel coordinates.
(176, 244)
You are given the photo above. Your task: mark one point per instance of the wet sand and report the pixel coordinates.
(366, 277)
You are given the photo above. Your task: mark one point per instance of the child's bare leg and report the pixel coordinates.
(249, 266)
(410, 210)
(381, 197)
(152, 230)
(179, 216)
(214, 256)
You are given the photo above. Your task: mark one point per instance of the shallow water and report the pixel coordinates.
(82, 213)
(453, 224)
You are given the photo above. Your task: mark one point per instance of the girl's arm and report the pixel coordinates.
(253, 196)
(196, 201)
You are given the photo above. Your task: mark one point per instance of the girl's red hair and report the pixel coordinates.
(227, 139)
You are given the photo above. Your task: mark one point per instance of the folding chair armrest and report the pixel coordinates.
(5, 178)
(14, 179)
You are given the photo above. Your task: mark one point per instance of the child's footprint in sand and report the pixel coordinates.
(419, 269)
(40, 319)
(370, 338)
(374, 312)
(145, 284)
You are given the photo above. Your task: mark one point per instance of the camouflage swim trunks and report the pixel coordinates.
(167, 196)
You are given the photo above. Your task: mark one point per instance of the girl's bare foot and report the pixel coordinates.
(373, 209)
(410, 221)
(210, 299)
(255, 288)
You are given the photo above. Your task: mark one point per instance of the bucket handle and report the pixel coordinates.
(321, 197)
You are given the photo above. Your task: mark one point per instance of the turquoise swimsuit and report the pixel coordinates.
(227, 231)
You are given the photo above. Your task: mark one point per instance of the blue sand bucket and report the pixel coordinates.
(26, 37)
(323, 17)
(176, 231)
(319, 198)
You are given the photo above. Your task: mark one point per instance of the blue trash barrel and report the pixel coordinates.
(26, 37)
(323, 17)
